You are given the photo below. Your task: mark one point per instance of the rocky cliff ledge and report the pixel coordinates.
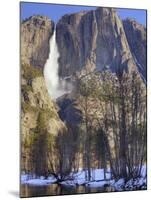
(35, 34)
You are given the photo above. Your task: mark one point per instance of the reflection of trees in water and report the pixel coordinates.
(57, 189)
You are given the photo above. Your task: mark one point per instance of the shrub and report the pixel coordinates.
(30, 72)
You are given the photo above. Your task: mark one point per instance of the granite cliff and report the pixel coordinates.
(88, 40)
(98, 40)
(35, 34)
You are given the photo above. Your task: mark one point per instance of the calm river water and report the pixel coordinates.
(55, 189)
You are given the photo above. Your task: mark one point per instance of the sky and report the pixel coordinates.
(55, 12)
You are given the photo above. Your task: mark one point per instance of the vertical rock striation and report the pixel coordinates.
(96, 39)
(136, 36)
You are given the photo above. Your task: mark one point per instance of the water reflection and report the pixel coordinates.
(55, 189)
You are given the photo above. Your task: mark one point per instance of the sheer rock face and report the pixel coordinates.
(136, 36)
(35, 34)
(93, 40)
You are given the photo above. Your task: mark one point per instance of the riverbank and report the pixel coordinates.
(97, 180)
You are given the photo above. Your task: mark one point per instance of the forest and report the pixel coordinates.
(111, 134)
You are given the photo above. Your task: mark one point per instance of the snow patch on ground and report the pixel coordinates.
(97, 184)
(31, 180)
(79, 178)
(119, 184)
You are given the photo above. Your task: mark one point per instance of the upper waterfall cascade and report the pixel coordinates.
(56, 86)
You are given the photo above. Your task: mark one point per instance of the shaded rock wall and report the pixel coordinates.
(136, 36)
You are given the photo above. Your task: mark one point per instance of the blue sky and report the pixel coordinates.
(55, 11)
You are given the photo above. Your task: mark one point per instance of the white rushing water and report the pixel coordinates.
(55, 86)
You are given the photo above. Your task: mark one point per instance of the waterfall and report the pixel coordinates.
(56, 87)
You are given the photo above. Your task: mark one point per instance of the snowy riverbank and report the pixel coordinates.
(97, 181)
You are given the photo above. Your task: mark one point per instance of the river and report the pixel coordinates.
(55, 189)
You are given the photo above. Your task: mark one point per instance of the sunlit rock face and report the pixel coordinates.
(36, 103)
(35, 34)
(95, 39)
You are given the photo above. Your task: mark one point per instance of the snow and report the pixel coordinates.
(132, 183)
(79, 178)
(96, 182)
(119, 184)
(30, 180)
(144, 171)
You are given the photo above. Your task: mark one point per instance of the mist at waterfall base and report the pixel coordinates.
(55, 85)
